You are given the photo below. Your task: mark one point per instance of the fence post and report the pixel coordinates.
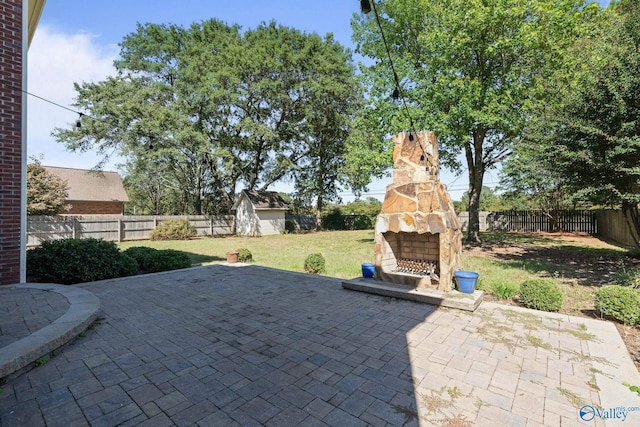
(120, 230)
(74, 233)
(211, 226)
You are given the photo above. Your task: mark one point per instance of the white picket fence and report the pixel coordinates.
(117, 228)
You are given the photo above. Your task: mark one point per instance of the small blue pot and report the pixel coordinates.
(367, 270)
(466, 281)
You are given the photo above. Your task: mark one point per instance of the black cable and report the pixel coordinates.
(51, 102)
(395, 77)
(62, 106)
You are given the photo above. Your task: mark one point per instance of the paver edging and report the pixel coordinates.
(82, 312)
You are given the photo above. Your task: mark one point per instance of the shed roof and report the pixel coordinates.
(263, 200)
(89, 185)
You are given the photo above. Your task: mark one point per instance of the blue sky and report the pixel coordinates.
(77, 41)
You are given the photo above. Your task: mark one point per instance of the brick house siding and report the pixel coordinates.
(11, 161)
(95, 208)
(92, 192)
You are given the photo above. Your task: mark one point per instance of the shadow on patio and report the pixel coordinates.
(248, 345)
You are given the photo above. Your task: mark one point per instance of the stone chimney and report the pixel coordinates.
(418, 238)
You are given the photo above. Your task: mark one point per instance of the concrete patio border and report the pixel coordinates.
(83, 311)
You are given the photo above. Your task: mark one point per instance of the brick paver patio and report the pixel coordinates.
(223, 345)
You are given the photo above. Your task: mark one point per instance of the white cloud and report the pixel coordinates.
(57, 60)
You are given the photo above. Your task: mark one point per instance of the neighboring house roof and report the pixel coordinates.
(91, 186)
(263, 200)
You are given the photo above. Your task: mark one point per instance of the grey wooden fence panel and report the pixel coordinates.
(303, 222)
(222, 225)
(98, 228)
(137, 227)
(612, 225)
(463, 217)
(41, 228)
(117, 228)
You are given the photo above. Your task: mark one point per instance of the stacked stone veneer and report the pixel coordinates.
(417, 220)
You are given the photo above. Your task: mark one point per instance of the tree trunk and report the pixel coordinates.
(473, 231)
(319, 207)
(319, 194)
(476, 166)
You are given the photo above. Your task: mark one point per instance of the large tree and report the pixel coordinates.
(468, 70)
(213, 108)
(522, 174)
(46, 193)
(590, 137)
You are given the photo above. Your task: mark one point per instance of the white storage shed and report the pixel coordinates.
(259, 213)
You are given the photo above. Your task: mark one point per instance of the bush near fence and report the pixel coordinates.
(337, 221)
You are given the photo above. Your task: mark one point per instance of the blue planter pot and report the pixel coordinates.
(367, 270)
(466, 281)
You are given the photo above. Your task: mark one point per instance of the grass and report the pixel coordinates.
(344, 251)
(495, 271)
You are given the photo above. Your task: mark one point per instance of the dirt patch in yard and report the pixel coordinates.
(582, 263)
(579, 257)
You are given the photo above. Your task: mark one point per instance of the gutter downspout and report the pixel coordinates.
(23, 174)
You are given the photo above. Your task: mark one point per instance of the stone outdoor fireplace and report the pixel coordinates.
(418, 238)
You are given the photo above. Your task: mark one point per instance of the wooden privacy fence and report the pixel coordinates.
(117, 228)
(608, 224)
(566, 220)
(612, 225)
(302, 222)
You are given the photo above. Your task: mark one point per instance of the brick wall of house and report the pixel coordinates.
(10, 138)
(95, 208)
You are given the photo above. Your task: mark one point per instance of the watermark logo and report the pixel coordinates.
(588, 412)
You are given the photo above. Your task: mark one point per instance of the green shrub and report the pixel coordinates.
(244, 255)
(333, 220)
(129, 266)
(541, 294)
(142, 254)
(152, 260)
(503, 290)
(314, 264)
(619, 302)
(290, 226)
(168, 259)
(364, 222)
(69, 261)
(174, 229)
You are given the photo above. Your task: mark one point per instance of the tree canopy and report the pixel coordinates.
(46, 193)
(589, 139)
(470, 71)
(207, 109)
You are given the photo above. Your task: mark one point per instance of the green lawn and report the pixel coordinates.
(497, 263)
(344, 251)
